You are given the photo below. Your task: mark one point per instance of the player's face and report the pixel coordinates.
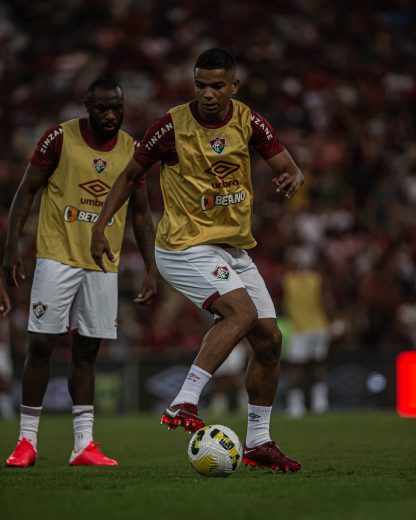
(213, 91)
(105, 109)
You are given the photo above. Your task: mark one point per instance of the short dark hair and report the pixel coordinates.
(104, 83)
(215, 59)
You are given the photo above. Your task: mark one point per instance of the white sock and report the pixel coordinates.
(29, 423)
(295, 403)
(319, 397)
(258, 425)
(83, 421)
(193, 385)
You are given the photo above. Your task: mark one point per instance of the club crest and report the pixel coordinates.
(100, 165)
(218, 144)
(221, 272)
(39, 309)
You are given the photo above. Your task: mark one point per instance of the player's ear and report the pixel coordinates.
(87, 102)
(235, 86)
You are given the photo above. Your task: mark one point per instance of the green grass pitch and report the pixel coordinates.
(355, 466)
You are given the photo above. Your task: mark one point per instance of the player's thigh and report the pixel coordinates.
(94, 312)
(53, 290)
(254, 284)
(200, 273)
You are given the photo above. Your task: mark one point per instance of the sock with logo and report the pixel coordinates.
(29, 423)
(83, 421)
(193, 385)
(258, 425)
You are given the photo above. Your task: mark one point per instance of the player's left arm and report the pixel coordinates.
(289, 176)
(144, 233)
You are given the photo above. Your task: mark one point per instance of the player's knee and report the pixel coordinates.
(85, 351)
(40, 347)
(268, 348)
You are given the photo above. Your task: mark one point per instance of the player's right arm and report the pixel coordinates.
(120, 191)
(33, 180)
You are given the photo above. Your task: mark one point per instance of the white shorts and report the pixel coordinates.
(66, 298)
(307, 346)
(204, 273)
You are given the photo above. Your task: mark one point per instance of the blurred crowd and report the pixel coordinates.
(337, 81)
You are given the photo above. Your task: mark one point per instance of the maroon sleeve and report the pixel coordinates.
(158, 144)
(264, 138)
(48, 150)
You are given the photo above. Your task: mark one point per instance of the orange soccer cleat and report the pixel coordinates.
(185, 415)
(269, 455)
(91, 456)
(23, 455)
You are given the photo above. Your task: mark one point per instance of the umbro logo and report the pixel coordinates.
(193, 377)
(253, 417)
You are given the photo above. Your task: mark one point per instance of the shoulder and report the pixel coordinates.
(48, 149)
(159, 130)
(51, 134)
(264, 138)
(126, 138)
(179, 109)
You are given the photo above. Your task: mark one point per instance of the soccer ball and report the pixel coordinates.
(215, 451)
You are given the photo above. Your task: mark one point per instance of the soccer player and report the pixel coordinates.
(5, 304)
(306, 301)
(202, 238)
(74, 164)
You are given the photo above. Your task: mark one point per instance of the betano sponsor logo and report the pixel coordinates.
(72, 214)
(208, 200)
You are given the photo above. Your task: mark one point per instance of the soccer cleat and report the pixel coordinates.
(23, 455)
(91, 456)
(269, 455)
(185, 415)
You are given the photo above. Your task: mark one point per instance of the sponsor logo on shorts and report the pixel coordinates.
(218, 144)
(208, 200)
(222, 169)
(222, 272)
(100, 165)
(39, 309)
(72, 214)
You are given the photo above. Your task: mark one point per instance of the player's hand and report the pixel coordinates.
(288, 183)
(99, 247)
(14, 272)
(148, 289)
(5, 304)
